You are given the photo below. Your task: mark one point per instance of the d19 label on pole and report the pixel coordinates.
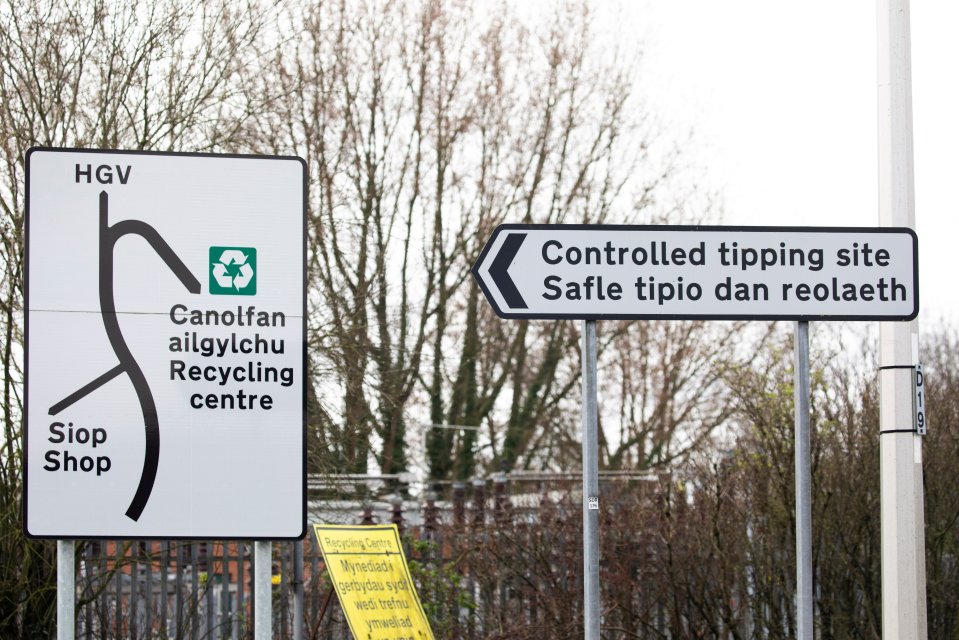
(672, 272)
(165, 345)
(921, 426)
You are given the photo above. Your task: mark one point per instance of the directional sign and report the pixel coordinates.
(165, 345)
(625, 272)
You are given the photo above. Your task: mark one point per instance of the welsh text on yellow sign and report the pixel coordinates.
(371, 578)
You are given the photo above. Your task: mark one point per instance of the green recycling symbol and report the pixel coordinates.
(233, 271)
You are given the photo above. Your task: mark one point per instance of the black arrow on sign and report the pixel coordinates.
(109, 235)
(499, 270)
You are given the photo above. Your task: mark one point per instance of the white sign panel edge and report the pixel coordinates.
(497, 258)
(293, 522)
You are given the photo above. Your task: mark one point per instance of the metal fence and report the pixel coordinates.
(502, 558)
(488, 556)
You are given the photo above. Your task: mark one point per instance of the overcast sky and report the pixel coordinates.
(781, 97)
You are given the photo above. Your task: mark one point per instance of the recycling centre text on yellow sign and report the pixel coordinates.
(372, 581)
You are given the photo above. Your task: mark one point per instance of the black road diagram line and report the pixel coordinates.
(86, 389)
(151, 422)
(128, 364)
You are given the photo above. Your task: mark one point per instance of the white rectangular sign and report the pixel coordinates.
(625, 272)
(165, 342)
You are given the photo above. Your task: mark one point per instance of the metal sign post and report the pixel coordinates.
(803, 455)
(263, 590)
(591, 592)
(66, 590)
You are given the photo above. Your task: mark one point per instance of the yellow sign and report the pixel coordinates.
(373, 583)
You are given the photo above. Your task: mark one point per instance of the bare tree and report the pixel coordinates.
(557, 143)
(135, 75)
(424, 126)
(354, 88)
(668, 379)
